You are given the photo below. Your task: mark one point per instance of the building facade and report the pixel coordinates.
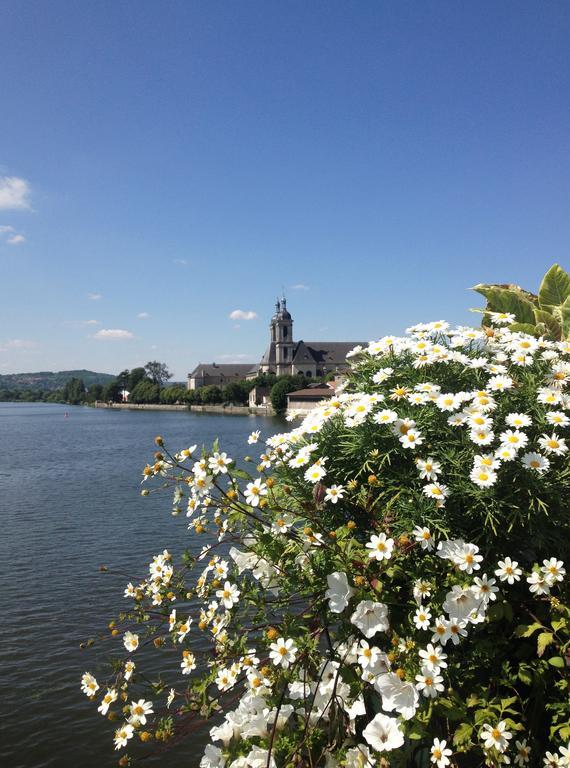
(218, 374)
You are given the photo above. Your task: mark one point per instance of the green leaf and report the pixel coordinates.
(565, 319)
(463, 734)
(554, 289)
(524, 630)
(513, 300)
(557, 661)
(544, 639)
(529, 328)
(551, 324)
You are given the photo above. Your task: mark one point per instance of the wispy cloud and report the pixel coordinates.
(238, 358)
(113, 334)
(240, 314)
(14, 194)
(180, 262)
(81, 322)
(94, 296)
(300, 287)
(143, 315)
(4, 229)
(18, 344)
(16, 240)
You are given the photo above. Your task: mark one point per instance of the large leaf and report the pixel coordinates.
(553, 330)
(555, 288)
(529, 328)
(508, 300)
(565, 318)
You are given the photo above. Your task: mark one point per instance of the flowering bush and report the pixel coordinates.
(387, 588)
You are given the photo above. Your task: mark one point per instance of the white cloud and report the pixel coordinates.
(238, 358)
(180, 262)
(143, 315)
(81, 322)
(16, 240)
(113, 334)
(240, 314)
(14, 194)
(18, 344)
(94, 296)
(4, 229)
(300, 287)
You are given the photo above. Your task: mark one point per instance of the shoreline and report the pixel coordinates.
(230, 410)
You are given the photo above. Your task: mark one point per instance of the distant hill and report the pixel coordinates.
(50, 381)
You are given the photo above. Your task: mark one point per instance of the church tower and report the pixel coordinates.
(282, 336)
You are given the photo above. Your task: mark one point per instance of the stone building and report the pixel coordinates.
(206, 374)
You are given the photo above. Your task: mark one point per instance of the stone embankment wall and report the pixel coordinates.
(231, 410)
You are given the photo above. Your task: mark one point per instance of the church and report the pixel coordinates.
(284, 356)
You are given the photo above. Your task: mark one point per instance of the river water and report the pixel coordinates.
(70, 502)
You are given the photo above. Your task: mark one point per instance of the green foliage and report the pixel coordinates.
(74, 391)
(547, 314)
(281, 389)
(145, 392)
(157, 372)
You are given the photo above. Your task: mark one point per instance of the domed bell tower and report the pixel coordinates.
(282, 336)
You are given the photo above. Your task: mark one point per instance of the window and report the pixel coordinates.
(309, 373)
(285, 351)
(285, 332)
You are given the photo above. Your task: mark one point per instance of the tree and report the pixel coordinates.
(145, 392)
(281, 389)
(158, 373)
(112, 391)
(136, 375)
(95, 392)
(235, 392)
(210, 394)
(74, 391)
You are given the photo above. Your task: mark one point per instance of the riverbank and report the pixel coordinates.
(229, 410)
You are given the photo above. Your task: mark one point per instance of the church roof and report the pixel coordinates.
(330, 352)
(220, 369)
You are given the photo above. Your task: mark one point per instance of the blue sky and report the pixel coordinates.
(188, 159)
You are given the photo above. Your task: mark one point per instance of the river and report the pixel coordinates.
(70, 502)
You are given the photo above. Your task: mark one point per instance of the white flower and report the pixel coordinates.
(481, 436)
(484, 589)
(229, 595)
(496, 737)
(367, 655)
(518, 420)
(183, 629)
(453, 629)
(283, 652)
(218, 463)
(380, 547)
(429, 468)
(188, 663)
(131, 641)
(436, 491)
(440, 754)
(422, 618)
(129, 669)
(315, 473)
(385, 417)
(397, 695)
(551, 760)
(411, 439)
(212, 758)
(139, 710)
(523, 752)
(553, 444)
(536, 462)
(429, 683)
(123, 734)
(370, 618)
(334, 493)
(499, 383)
(423, 536)
(433, 658)
(358, 757)
(483, 477)
(513, 438)
(226, 679)
(460, 602)
(557, 419)
(506, 452)
(508, 570)
(553, 569)
(254, 492)
(498, 318)
(539, 584)
(382, 374)
(383, 733)
(339, 592)
(254, 437)
(89, 684)
(448, 402)
(467, 558)
(108, 699)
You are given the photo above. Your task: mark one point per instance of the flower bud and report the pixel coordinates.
(272, 633)
(158, 641)
(351, 525)
(158, 440)
(372, 480)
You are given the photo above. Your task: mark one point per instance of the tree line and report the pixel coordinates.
(148, 385)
